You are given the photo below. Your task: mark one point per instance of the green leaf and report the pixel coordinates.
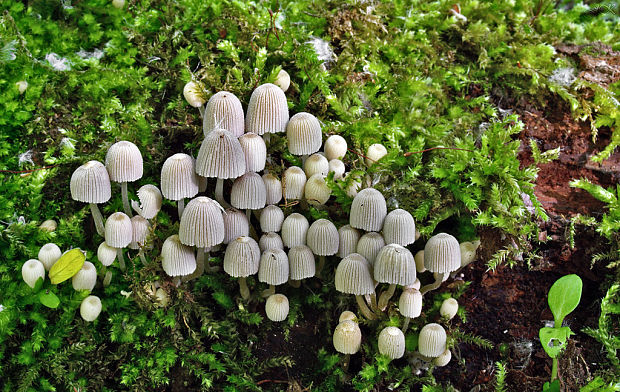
(68, 265)
(38, 284)
(553, 386)
(49, 299)
(553, 340)
(564, 296)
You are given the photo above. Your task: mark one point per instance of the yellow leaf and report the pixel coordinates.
(68, 265)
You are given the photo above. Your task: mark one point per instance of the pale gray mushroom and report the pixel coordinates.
(303, 133)
(449, 308)
(124, 164)
(90, 183)
(267, 111)
(270, 241)
(273, 186)
(249, 193)
(294, 230)
(442, 255)
(254, 150)
(49, 254)
(399, 228)
(392, 342)
(224, 111)
(85, 278)
(323, 239)
(337, 166)
(368, 210)
(273, 269)
(468, 254)
(283, 80)
(241, 260)
(374, 153)
(301, 264)
(410, 305)
(235, 225)
(348, 239)
(179, 179)
(317, 192)
(276, 307)
(90, 308)
(316, 164)
(369, 246)
(394, 265)
(106, 254)
(150, 201)
(48, 225)
(177, 259)
(32, 270)
(443, 359)
(335, 147)
(293, 183)
(353, 276)
(271, 218)
(141, 229)
(119, 234)
(347, 340)
(432, 340)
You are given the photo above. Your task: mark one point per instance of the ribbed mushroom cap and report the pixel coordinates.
(224, 111)
(267, 110)
(270, 241)
(248, 192)
(449, 307)
(106, 254)
(242, 257)
(276, 307)
(294, 230)
(347, 315)
(220, 156)
(293, 183)
(254, 150)
(118, 230)
(90, 183)
(193, 94)
(419, 262)
(283, 80)
(273, 268)
(335, 147)
(395, 265)
(202, 223)
(140, 228)
(273, 186)
(468, 252)
(432, 340)
(177, 259)
(353, 276)
(32, 270)
(90, 308)
(347, 337)
(178, 177)
(368, 210)
(49, 254)
(235, 225)
(301, 262)
(317, 192)
(316, 164)
(442, 253)
(85, 278)
(375, 153)
(369, 246)
(150, 201)
(443, 359)
(337, 166)
(348, 238)
(323, 238)
(392, 342)
(303, 133)
(124, 162)
(399, 228)
(410, 303)
(271, 218)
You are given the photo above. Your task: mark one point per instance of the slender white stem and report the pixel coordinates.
(121, 259)
(364, 308)
(181, 207)
(384, 298)
(405, 324)
(98, 218)
(201, 109)
(434, 285)
(243, 288)
(126, 206)
(219, 193)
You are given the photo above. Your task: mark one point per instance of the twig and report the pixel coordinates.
(436, 148)
(273, 381)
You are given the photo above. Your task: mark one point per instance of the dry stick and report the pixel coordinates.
(384, 298)
(364, 308)
(98, 218)
(436, 148)
(126, 206)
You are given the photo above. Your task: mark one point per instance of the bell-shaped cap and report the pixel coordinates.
(283, 80)
(293, 183)
(369, 246)
(202, 223)
(124, 162)
(392, 342)
(375, 153)
(177, 259)
(443, 359)
(395, 265)
(449, 307)
(432, 340)
(224, 111)
(335, 147)
(468, 252)
(49, 254)
(220, 156)
(273, 268)
(316, 164)
(410, 303)
(399, 228)
(118, 230)
(337, 166)
(90, 308)
(140, 228)
(242, 257)
(317, 192)
(248, 192)
(348, 238)
(235, 225)
(178, 177)
(442, 253)
(368, 210)
(85, 278)
(106, 254)
(301, 262)
(294, 230)
(271, 218)
(193, 94)
(353, 276)
(32, 270)
(303, 133)
(276, 307)
(150, 201)
(273, 186)
(90, 183)
(347, 337)
(270, 241)
(267, 110)
(323, 238)
(254, 150)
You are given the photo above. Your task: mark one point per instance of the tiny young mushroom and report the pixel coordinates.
(303, 134)
(468, 254)
(374, 153)
(124, 164)
(177, 259)
(442, 255)
(337, 166)
(192, 92)
(293, 183)
(224, 111)
(410, 304)
(353, 276)
(335, 147)
(141, 228)
(241, 260)
(254, 150)
(443, 359)
(347, 315)
(150, 201)
(432, 340)
(399, 228)
(106, 254)
(392, 342)
(317, 192)
(235, 225)
(348, 239)
(90, 308)
(394, 265)
(294, 230)
(270, 241)
(449, 308)
(316, 164)
(271, 219)
(301, 264)
(322, 238)
(179, 179)
(267, 111)
(49, 254)
(368, 210)
(273, 187)
(347, 340)
(369, 246)
(118, 234)
(85, 278)
(273, 269)
(276, 307)
(283, 80)
(90, 183)
(32, 270)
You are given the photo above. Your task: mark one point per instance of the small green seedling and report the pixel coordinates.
(564, 296)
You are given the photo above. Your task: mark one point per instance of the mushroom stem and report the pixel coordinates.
(384, 298)
(319, 267)
(364, 309)
(267, 138)
(405, 324)
(373, 303)
(98, 218)
(253, 233)
(219, 193)
(294, 283)
(126, 206)
(303, 158)
(201, 109)
(121, 259)
(202, 184)
(345, 362)
(107, 279)
(142, 257)
(243, 288)
(181, 207)
(434, 285)
(268, 292)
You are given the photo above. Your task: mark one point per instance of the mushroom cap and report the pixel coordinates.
(48, 225)
(347, 337)
(193, 93)
(419, 261)
(118, 230)
(248, 192)
(267, 110)
(150, 201)
(254, 150)
(293, 183)
(410, 303)
(392, 342)
(273, 268)
(323, 238)
(443, 359)
(90, 308)
(271, 218)
(140, 229)
(235, 225)
(270, 241)
(32, 270)
(348, 237)
(395, 265)
(337, 166)
(124, 162)
(85, 278)
(316, 164)
(368, 210)
(273, 186)
(432, 340)
(49, 254)
(301, 262)
(353, 276)
(294, 230)
(399, 228)
(106, 254)
(369, 246)
(224, 111)
(177, 259)
(449, 307)
(374, 153)
(468, 252)
(303, 133)
(178, 177)
(335, 147)
(276, 307)
(442, 253)
(242, 257)
(283, 80)
(317, 192)
(202, 223)
(347, 315)
(90, 183)
(220, 156)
